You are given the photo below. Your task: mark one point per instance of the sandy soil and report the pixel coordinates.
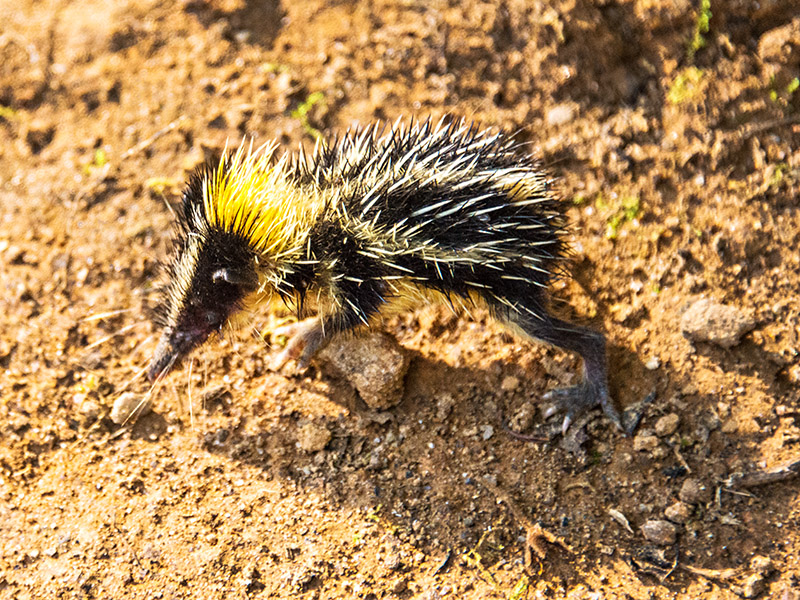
(678, 155)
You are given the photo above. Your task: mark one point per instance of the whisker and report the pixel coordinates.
(169, 207)
(175, 393)
(167, 368)
(111, 336)
(260, 337)
(106, 315)
(138, 374)
(141, 345)
(136, 412)
(189, 393)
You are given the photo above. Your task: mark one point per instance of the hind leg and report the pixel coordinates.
(591, 346)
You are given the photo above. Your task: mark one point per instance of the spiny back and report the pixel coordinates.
(450, 192)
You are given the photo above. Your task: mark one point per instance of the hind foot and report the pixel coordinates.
(576, 400)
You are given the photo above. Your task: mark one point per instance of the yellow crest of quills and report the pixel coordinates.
(376, 218)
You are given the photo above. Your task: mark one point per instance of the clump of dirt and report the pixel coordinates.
(672, 129)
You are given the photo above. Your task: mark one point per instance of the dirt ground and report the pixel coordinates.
(676, 147)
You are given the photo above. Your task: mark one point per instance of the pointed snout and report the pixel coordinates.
(172, 347)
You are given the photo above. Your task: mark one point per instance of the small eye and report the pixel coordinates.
(237, 277)
(221, 275)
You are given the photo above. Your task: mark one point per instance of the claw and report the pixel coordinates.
(575, 401)
(305, 338)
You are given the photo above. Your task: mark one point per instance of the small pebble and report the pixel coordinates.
(645, 442)
(444, 405)
(730, 425)
(128, 407)
(393, 562)
(559, 115)
(652, 364)
(87, 407)
(400, 586)
(509, 384)
(694, 492)
(762, 564)
(678, 512)
(794, 374)
(753, 586)
(667, 425)
(487, 431)
(522, 419)
(313, 437)
(710, 420)
(659, 532)
(724, 410)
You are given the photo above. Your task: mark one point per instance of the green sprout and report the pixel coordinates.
(778, 174)
(7, 113)
(301, 113)
(520, 590)
(701, 27)
(687, 87)
(99, 160)
(272, 67)
(627, 210)
(162, 185)
(785, 95)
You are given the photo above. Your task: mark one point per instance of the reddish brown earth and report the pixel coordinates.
(681, 170)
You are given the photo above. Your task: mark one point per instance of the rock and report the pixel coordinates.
(509, 384)
(762, 564)
(753, 586)
(400, 586)
(487, 431)
(781, 44)
(667, 425)
(444, 406)
(89, 408)
(393, 561)
(793, 374)
(694, 492)
(313, 437)
(652, 364)
(559, 115)
(128, 407)
(710, 420)
(678, 512)
(708, 321)
(373, 363)
(645, 442)
(522, 419)
(659, 532)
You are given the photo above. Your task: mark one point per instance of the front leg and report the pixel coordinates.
(306, 338)
(356, 305)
